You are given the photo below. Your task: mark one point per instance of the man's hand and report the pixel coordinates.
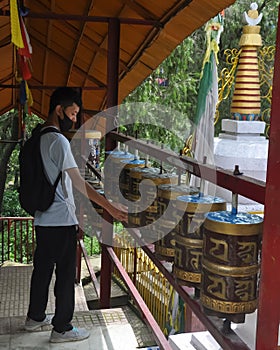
(118, 211)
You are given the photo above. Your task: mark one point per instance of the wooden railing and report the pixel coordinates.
(152, 285)
(17, 239)
(237, 184)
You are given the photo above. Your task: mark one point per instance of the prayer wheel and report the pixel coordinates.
(166, 228)
(124, 181)
(150, 191)
(134, 195)
(188, 239)
(230, 264)
(112, 171)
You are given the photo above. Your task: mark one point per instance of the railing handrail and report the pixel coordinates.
(244, 185)
(16, 218)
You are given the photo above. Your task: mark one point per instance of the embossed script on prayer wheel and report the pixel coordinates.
(230, 264)
(188, 239)
(127, 165)
(134, 196)
(112, 169)
(167, 194)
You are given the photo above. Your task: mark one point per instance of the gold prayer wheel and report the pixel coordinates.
(134, 195)
(112, 169)
(230, 264)
(188, 238)
(151, 182)
(166, 229)
(124, 182)
(150, 213)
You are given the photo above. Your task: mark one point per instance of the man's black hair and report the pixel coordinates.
(65, 96)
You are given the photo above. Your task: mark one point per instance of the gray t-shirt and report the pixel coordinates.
(57, 156)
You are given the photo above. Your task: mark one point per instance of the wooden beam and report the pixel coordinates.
(81, 18)
(80, 35)
(50, 87)
(112, 101)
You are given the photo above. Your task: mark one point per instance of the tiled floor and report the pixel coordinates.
(14, 292)
(111, 329)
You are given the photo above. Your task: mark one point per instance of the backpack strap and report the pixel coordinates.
(58, 179)
(45, 130)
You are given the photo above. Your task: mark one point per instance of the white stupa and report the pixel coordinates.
(242, 142)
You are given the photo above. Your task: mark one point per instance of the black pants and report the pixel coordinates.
(56, 247)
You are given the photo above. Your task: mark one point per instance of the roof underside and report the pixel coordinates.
(69, 41)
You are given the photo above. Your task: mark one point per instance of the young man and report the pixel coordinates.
(56, 228)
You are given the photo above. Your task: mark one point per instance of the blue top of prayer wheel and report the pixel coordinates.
(122, 156)
(229, 218)
(197, 203)
(115, 152)
(133, 161)
(207, 199)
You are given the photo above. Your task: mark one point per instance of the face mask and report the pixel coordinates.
(66, 123)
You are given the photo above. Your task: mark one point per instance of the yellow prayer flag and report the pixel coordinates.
(28, 95)
(15, 25)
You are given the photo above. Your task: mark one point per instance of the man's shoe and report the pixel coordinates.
(31, 325)
(75, 334)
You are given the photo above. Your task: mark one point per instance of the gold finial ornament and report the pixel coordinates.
(253, 17)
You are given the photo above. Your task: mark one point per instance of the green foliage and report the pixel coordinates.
(172, 87)
(92, 245)
(17, 244)
(182, 72)
(11, 206)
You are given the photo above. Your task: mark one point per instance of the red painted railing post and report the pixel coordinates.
(269, 301)
(112, 101)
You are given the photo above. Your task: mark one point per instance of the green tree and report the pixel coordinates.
(9, 140)
(181, 70)
(10, 173)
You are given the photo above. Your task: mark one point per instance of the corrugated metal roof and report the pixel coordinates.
(69, 40)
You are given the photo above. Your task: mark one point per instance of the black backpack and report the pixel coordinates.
(35, 190)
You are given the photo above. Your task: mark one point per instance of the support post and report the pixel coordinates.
(110, 144)
(269, 301)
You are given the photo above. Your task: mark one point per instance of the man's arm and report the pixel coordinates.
(118, 212)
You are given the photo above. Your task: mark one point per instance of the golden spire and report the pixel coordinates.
(246, 102)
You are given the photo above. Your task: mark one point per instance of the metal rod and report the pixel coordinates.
(93, 277)
(234, 203)
(202, 181)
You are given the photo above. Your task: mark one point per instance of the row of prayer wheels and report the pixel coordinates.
(212, 249)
